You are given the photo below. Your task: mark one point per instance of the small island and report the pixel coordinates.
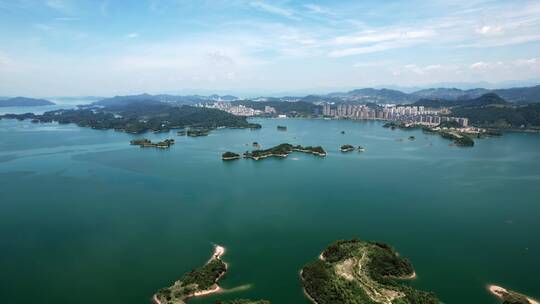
(346, 148)
(146, 143)
(411, 138)
(361, 149)
(230, 156)
(282, 128)
(283, 150)
(198, 282)
(354, 271)
(510, 297)
(193, 132)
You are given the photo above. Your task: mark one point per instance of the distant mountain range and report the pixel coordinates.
(521, 95)
(24, 102)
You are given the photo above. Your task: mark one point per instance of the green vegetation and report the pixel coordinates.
(503, 117)
(459, 139)
(139, 117)
(510, 296)
(244, 301)
(412, 137)
(346, 148)
(194, 133)
(202, 279)
(282, 128)
(283, 150)
(146, 143)
(357, 272)
(230, 156)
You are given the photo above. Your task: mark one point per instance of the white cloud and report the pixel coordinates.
(132, 35)
(317, 9)
(490, 30)
(276, 10)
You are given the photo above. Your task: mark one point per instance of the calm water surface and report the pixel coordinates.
(87, 218)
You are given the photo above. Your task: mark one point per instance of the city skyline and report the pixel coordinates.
(76, 48)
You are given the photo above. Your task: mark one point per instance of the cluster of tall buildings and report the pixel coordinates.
(417, 114)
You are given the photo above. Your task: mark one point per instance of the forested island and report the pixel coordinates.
(358, 272)
(142, 116)
(194, 132)
(283, 150)
(146, 143)
(346, 148)
(230, 156)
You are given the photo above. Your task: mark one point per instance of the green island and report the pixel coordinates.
(282, 128)
(198, 282)
(193, 133)
(359, 272)
(141, 116)
(283, 150)
(346, 148)
(230, 156)
(146, 143)
(510, 296)
(243, 301)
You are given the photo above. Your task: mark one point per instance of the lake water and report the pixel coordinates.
(87, 218)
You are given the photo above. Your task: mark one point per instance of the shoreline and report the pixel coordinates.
(498, 291)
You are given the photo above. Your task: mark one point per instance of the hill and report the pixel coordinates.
(484, 100)
(24, 102)
(515, 95)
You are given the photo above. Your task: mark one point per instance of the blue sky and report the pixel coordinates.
(77, 47)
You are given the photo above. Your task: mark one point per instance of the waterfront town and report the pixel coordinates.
(403, 113)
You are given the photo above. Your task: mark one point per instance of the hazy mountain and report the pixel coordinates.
(520, 95)
(517, 95)
(24, 102)
(449, 93)
(484, 100)
(189, 99)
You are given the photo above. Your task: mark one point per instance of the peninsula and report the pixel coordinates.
(283, 150)
(510, 297)
(198, 282)
(460, 136)
(141, 116)
(354, 271)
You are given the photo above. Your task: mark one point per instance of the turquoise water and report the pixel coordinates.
(87, 218)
